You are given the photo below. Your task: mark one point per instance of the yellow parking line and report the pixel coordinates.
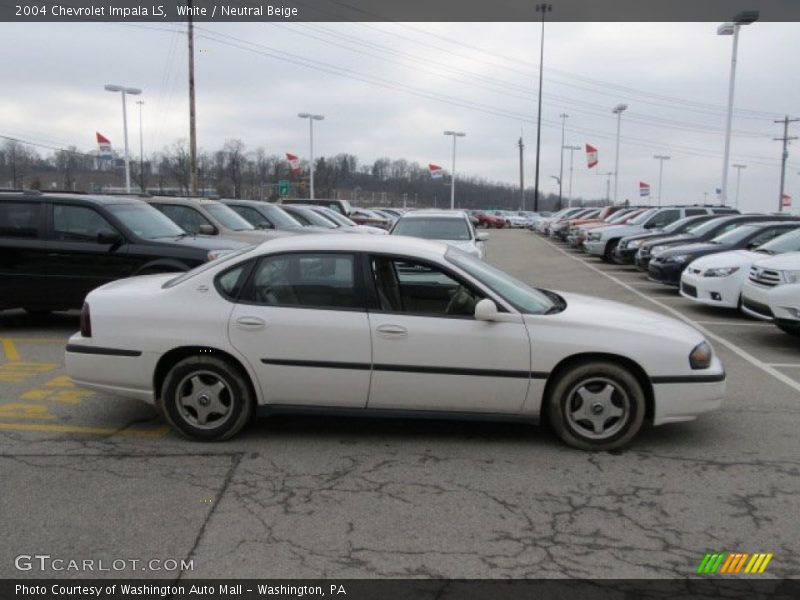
(46, 428)
(10, 350)
(39, 340)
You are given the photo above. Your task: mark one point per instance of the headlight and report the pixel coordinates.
(791, 276)
(700, 357)
(721, 272)
(595, 236)
(635, 243)
(656, 250)
(678, 258)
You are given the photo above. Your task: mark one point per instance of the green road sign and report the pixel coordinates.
(283, 187)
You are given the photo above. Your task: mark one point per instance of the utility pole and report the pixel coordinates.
(608, 185)
(660, 158)
(542, 8)
(738, 180)
(785, 139)
(192, 118)
(564, 117)
(521, 175)
(571, 156)
(141, 145)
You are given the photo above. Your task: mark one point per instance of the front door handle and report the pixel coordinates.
(392, 331)
(250, 323)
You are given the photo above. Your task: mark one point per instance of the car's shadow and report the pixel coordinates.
(55, 323)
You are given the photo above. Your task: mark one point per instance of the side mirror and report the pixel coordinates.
(207, 230)
(753, 245)
(265, 225)
(482, 236)
(485, 310)
(108, 237)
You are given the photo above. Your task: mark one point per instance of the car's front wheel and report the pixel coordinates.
(206, 398)
(789, 328)
(596, 405)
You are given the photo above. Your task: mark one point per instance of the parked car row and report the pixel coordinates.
(711, 254)
(55, 248)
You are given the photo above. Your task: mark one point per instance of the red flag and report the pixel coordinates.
(786, 200)
(591, 155)
(104, 147)
(101, 139)
(294, 162)
(435, 171)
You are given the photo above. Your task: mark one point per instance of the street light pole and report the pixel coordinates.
(141, 146)
(564, 117)
(743, 18)
(660, 158)
(542, 8)
(311, 118)
(618, 110)
(455, 134)
(571, 155)
(738, 180)
(133, 92)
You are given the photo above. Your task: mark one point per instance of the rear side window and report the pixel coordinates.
(307, 280)
(693, 212)
(79, 223)
(19, 219)
(663, 218)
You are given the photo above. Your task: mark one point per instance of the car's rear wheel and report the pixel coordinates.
(596, 405)
(206, 398)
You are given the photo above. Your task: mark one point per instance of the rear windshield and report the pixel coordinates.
(433, 228)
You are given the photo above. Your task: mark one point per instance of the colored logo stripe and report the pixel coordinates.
(733, 562)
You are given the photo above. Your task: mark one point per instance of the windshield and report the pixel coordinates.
(336, 217)
(642, 217)
(736, 235)
(312, 217)
(679, 225)
(433, 228)
(145, 221)
(618, 216)
(788, 242)
(279, 217)
(228, 217)
(523, 297)
(703, 228)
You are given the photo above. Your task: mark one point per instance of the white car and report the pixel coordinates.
(451, 227)
(772, 291)
(387, 325)
(718, 279)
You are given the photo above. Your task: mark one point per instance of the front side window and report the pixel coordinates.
(307, 280)
(187, 218)
(79, 223)
(19, 219)
(417, 288)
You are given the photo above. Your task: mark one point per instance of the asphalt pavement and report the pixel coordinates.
(88, 476)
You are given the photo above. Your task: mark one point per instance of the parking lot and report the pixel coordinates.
(87, 475)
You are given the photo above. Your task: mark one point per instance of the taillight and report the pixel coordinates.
(86, 321)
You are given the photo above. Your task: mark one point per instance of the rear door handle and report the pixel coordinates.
(250, 323)
(392, 331)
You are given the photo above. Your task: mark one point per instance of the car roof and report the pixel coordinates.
(391, 244)
(97, 199)
(181, 200)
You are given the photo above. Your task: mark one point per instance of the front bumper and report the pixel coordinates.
(642, 261)
(595, 247)
(723, 292)
(625, 256)
(679, 402)
(666, 273)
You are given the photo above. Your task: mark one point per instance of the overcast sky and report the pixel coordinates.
(391, 89)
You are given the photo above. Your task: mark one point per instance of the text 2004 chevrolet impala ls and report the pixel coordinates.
(375, 325)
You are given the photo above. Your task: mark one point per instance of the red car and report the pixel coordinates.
(489, 221)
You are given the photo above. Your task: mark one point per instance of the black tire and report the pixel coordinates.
(190, 409)
(790, 329)
(608, 254)
(566, 406)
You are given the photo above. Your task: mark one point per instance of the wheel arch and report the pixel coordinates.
(567, 363)
(174, 356)
(162, 265)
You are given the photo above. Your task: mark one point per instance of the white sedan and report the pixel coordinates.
(718, 279)
(387, 325)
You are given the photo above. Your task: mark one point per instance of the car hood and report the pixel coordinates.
(681, 238)
(781, 262)
(619, 230)
(204, 242)
(590, 313)
(732, 258)
(647, 236)
(696, 248)
(256, 236)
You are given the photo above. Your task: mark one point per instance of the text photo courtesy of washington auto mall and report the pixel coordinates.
(398, 300)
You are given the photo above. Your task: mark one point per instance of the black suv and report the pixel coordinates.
(56, 248)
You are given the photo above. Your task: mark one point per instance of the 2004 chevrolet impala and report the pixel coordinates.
(375, 325)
